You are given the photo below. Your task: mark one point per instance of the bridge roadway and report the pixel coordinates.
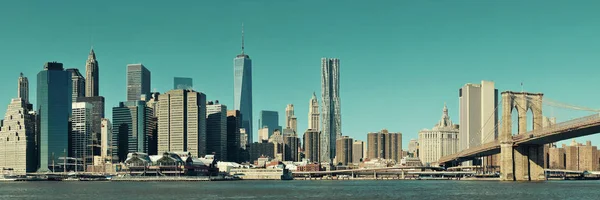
(565, 130)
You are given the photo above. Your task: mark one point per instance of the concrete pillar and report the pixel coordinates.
(402, 174)
(507, 172)
(536, 163)
(521, 163)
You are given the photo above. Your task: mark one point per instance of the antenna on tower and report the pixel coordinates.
(242, 38)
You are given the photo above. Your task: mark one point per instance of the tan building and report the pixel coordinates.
(343, 150)
(358, 151)
(440, 141)
(556, 158)
(17, 139)
(263, 134)
(311, 145)
(313, 113)
(182, 122)
(580, 157)
(413, 147)
(384, 145)
(291, 122)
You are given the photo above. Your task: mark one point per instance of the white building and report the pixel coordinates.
(440, 141)
(106, 139)
(243, 138)
(263, 134)
(478, 115)
(17, 139)
(81, 130)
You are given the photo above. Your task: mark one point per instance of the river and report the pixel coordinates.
(371, 190)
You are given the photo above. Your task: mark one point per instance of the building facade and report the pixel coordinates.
(234, 123)
(413, 148)
(97, 103)
(440, 141)
(216, 130)
(77, 83)
(53, 109)
(92, 75)
(313, 113)
(182, 83)
(106, 139)
(478, 115)
(138, 82)
(291, 148)
(23, 88)
(81, 132)
(291, 122)
(269, 119)
(182, 124)
(17, 139)
(331, 127)
(311, 145)
(130, 123)
(384, 145)
(242, 89)
(358, 151)
(344, 150)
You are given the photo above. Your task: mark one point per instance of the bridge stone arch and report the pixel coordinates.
(522, 102)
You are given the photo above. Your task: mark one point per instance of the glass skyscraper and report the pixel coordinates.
(130, 128)
(181, 83)
(54, 108)
(242, 89)
(331, 110)
(269, 119)
(138, 82)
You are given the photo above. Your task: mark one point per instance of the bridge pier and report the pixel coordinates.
(522, 163)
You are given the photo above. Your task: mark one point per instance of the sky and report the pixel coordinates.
(400, 61)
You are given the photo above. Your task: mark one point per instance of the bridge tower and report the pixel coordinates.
(524, 162)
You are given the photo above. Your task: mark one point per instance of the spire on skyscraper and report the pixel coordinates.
(92, 55)
(242, 38)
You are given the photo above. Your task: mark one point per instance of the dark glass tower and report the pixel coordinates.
(242, 89)
(54, 108)
(138, 82)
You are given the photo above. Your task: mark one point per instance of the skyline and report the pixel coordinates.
(486, 41)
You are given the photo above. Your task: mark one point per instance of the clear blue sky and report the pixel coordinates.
(400, 60)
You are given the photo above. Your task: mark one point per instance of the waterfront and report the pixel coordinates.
(392, 189)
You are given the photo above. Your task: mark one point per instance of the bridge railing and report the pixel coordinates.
(560, 126)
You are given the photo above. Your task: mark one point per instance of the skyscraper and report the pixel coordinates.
(97, 104)
(91, 75)
(290, 119)
(234, 123)
(313, 113)
(478, 115)
(344, 150)
(54, 108)
(183, 83)
(384, 145)
(81, 125)
(311, 145)
(138, 82)
(23, 88)
(242, 89)
(332, 123)
(130, 129)
(17, 139)
(269, 119)
(106, 138)
(78, 84)
(182, 122)
(216, 130)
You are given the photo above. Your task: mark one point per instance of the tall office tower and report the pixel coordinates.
(413, 146)
(313, 113)
(441, 140)
(23, 88)
(81, 125)
(311, 145)
(153, 134)
(182, 83)
(242, 89)
(358, 151)
(97, 103)
(332, 123)
(53, 109)
(291, 144)
(384, 145)
(478, 115)
(106, 140)
(78, 84)
(130, 129)
(17, 139)
(91, 75)
(138, 82)
(182, 123)
(216, 130)
(269, 119)
(234, 123)
(291, 122)
(344, 150)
